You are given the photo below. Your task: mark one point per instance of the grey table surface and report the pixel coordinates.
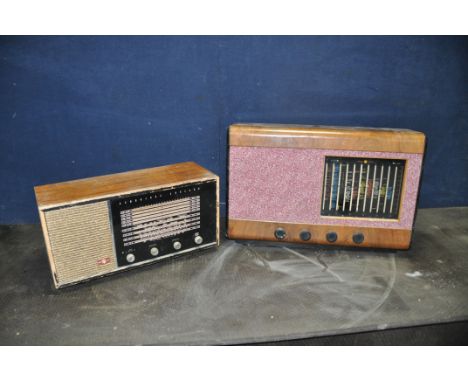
(241, 292)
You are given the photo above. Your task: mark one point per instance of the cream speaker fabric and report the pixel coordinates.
(81, 241)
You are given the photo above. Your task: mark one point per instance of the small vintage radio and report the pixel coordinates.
(323, 185)
(96, 226)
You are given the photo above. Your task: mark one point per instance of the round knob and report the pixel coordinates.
(358, 238)
(332, 237)
(130, 258)
(198, 239)
(154, 251)
(177, 245)
(305, 235)
(280, 233)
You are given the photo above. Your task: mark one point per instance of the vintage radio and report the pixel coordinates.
(96, 226)
(323, 185)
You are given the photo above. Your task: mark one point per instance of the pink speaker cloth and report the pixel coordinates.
(285, 185)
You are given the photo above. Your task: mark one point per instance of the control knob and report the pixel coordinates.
(280, 233)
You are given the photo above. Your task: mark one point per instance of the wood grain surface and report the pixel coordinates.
(327, 137)
(57, 194)
(373, 237)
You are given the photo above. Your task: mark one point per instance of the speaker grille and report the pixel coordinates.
(81, 241)
(362, 187)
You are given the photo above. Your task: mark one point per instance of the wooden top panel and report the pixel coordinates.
(327, 137)
(98, 187)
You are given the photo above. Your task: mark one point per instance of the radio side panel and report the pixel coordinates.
(45, 234)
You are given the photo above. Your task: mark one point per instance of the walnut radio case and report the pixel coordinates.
(97, 226)
(323, 184)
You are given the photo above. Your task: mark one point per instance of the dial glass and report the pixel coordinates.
(362, 187)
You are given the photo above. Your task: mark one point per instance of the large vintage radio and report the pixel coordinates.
(96, 226)
(323, 184)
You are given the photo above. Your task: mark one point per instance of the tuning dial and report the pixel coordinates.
(332, 237)
(198, 239)
(305, 235)
(280, 233)
(358, 238)
(154, 251)
(177, 245)
(130, 258)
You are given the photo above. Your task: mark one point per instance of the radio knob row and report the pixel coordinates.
(154, 251)
(280, 234)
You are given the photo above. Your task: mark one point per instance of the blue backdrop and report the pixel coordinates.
(73, 107)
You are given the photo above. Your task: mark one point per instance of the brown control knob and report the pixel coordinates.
(358, 238)
(305, 235)
(280, 233)
(332, 237)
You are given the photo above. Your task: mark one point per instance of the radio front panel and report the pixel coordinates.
(154, 224)
(323, 184)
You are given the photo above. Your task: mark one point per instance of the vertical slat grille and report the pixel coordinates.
(362, 187)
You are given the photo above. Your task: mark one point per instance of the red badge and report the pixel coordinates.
(104, 261)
